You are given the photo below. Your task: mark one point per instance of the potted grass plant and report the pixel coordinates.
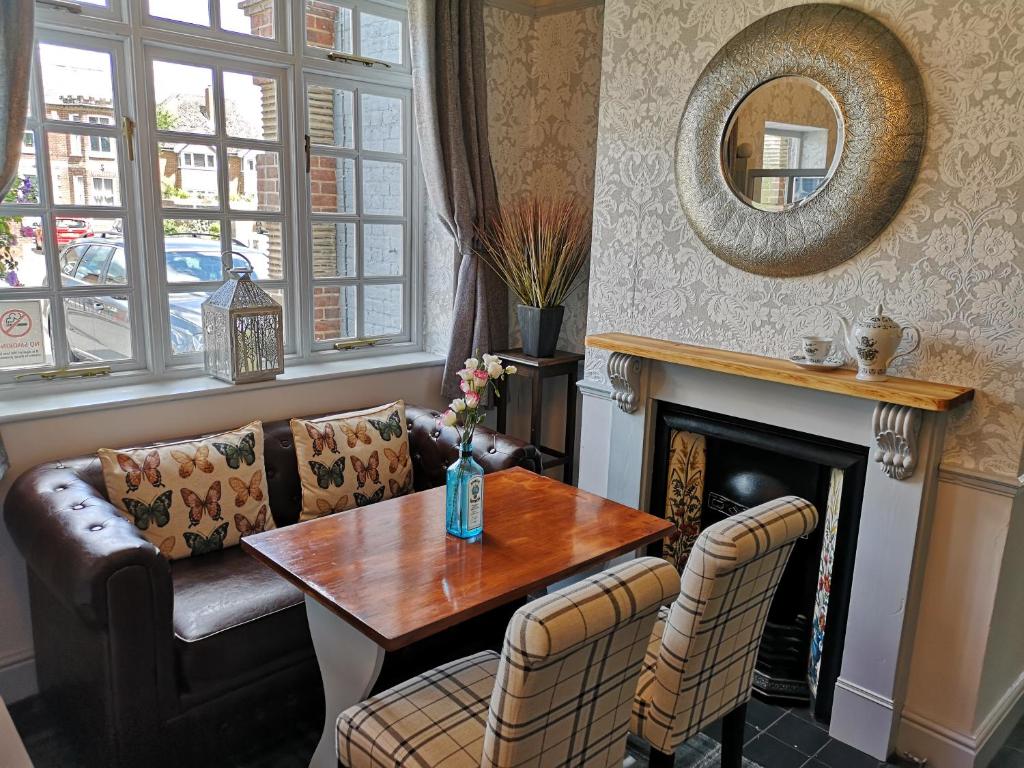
(538, 247)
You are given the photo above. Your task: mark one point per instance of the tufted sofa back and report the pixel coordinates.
(432, 449)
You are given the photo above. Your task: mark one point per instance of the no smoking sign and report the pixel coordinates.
(15, 323)
(22, 341)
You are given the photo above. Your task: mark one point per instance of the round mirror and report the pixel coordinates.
(782, 143)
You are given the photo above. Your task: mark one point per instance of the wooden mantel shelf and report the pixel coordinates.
(926, 395)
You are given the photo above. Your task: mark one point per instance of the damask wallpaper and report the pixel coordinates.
(951, 262)
(544, 76)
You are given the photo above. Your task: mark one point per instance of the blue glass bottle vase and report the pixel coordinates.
(465, 498)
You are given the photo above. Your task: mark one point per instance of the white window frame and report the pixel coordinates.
(223, 213)
(359, 217)
(49, 212)
(140, 191)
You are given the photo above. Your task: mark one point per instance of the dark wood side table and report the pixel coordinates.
(537, 370)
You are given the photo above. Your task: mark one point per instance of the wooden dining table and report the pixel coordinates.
(380, 577)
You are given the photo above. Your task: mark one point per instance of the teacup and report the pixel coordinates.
(816, 348)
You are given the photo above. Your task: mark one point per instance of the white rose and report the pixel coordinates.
(488, 359)
(472, 363)
(495, 371)
(511, 370)
(466, 374)
(449, 419)
(458, 405)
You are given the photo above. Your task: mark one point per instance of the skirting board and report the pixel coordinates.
(18, 676)
(858, 715)
(948, 748)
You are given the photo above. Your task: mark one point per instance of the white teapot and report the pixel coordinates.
(873, 341)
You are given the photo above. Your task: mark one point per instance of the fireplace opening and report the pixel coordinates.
(708, 466)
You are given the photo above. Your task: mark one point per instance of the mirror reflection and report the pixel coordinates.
(782, 143)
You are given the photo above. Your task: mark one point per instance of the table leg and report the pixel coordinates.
(349, 665)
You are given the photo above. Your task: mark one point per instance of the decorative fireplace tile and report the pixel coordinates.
(687, 460)
(828, 551)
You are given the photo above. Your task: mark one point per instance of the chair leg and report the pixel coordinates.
(733, 725)
(659, 759)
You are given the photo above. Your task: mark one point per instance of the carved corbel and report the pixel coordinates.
(896, 428)
(624, 375)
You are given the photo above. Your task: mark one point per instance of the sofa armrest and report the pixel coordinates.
(434, 448)
(74, 541)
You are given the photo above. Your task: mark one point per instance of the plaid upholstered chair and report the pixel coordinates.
(700, 661)
(559, 694)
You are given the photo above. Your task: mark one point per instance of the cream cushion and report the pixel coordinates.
(352, 459)
(193, 496)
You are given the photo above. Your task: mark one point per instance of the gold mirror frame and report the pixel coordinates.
(878, 91)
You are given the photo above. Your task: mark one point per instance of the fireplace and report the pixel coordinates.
(708, 466)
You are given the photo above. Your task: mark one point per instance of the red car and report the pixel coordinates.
(68, 230)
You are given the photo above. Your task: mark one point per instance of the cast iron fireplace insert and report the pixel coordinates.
(745, 464)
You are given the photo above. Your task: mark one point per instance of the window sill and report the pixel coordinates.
(40, 404)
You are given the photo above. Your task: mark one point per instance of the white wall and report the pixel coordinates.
(35, 441)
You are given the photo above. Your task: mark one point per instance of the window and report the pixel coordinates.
(63, 200)
(99, 144)
(102, 191)
(144, 178)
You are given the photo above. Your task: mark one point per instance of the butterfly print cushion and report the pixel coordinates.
(195, 496)
(352, 459)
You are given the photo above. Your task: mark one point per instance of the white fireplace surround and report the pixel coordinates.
(615, 461)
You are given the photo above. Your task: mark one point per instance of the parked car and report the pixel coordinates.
(99, 328)
(68, 230)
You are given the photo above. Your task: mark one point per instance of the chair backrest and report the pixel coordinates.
(569, 669)
(706, 663)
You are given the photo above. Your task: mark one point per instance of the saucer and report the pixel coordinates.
(831, 363)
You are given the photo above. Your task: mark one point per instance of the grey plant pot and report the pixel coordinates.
(539, 327)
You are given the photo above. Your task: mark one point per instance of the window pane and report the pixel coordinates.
(248, 18)
(382, 188)
(188, 175)
(192, 251)
(22, 263)
(332, 184)
(190, 11)
(251, 106)
(254, 180)
(330, 113)
(260, 242)
(99, 328)
(382, 250)
(25, 187)
(80, 176)
(382, 310)
(334, 311)
(184, 97)
(75, 80)
(24, 337)
(381, 123)
(328, 26)
(186, 322)
(334, 249)
(380, 38)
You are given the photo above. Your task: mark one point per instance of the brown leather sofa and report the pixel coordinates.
(147, 662)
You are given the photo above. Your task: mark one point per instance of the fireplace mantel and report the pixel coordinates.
(926, 395)
(902, 423)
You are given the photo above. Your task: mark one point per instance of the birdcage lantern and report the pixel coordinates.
(243, 330)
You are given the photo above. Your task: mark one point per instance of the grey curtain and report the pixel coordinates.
(15, 68)
(450, 92)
